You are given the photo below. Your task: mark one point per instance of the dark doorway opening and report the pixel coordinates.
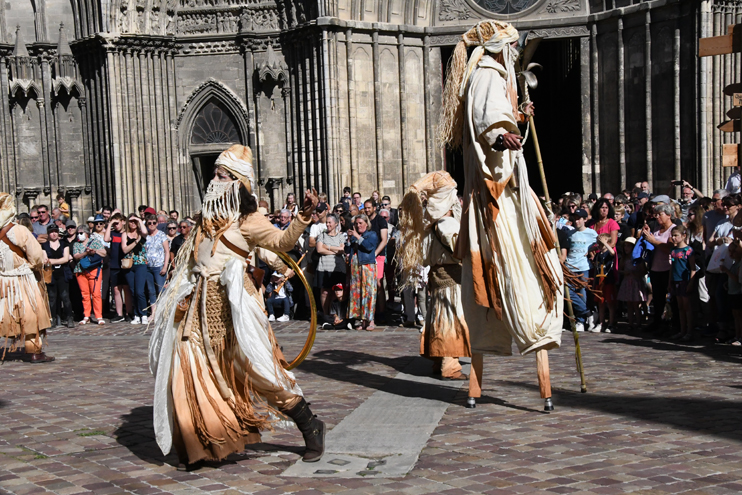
(558, 117)
(203, 170)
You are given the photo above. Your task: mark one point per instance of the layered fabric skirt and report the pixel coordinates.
(219, 399)
(362, 301)
(24, 307)
(445, 333)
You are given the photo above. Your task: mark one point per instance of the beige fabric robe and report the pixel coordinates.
(445, 333)
(24, 309)
(511, 277)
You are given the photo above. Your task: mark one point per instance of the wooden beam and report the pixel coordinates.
(722, 45)
(729, 126)
(729, 155)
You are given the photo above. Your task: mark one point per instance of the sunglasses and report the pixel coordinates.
(34, 217)
(71, 227)
(172, 228)
(100, 223)
(151, 223)
(42, 212)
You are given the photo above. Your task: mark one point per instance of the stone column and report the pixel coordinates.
(676, 105)
(430, 143)
(621, 107)
(587, 149)
(648, 96)
(377, 113)
(52, 163)
(703, 87)
(286, 95)
(7, 159)
(354, 182)
(118, 173)
(596, 109)
(41, 104)
(403, 109)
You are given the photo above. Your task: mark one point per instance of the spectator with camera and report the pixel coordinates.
(361, 249)
(56, 257)
(133, 246)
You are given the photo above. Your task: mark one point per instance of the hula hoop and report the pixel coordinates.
(313, 306)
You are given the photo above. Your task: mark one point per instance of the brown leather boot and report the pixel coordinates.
(311, 428)
(39, 357)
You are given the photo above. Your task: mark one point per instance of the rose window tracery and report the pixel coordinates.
(505, 7)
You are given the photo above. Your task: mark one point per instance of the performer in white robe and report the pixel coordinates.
(219, 378)
(429, 238)
(512, 279)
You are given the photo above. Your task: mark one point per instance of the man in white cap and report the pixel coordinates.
(429, 238)
(512, 281)
(219, 378)
(24, 310)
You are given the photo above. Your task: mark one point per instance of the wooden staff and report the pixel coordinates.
(542, 360)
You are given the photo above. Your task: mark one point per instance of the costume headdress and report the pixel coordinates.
(494, 37)
(440, 190)
(221, 205)
(7, 209)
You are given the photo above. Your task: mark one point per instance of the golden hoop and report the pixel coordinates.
(313, 307)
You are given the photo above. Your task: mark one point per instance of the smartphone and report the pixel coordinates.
(677, 183)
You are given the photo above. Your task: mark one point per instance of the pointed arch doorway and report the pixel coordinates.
(212, 119)
(214, 130)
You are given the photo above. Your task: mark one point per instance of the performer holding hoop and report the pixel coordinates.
(219, 377)
(512, 281)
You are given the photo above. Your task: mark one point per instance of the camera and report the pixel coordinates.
(677, 182)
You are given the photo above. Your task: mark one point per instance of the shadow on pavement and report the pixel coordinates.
(337, 365)
(725, 353)
(719, 418)
(137, 434)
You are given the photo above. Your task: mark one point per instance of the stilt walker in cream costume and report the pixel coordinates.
(218, 373)
(24, 309)
(429, 237)
(512, 281)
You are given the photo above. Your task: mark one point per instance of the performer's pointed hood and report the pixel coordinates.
(7, 209)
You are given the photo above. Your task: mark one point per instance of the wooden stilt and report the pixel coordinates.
(544, 381)
(475, 375)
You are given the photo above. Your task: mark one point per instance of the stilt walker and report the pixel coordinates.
(512, 280)
(429, 237)
(219, 374)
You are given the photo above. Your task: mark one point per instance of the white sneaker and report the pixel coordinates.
(271, 318)
(579, 326)
(145, 320)
(283, 318)
(590, 323)
(595, 329)
(136, 321)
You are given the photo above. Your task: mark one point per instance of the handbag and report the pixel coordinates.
(127, 263)
(48, 270)
(91, 262)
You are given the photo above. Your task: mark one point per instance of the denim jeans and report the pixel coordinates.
(155, 283)
(137, 280)
(579, 299)
(275, 301)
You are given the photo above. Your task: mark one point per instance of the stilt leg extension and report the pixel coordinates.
(475, 380)
(544, 381)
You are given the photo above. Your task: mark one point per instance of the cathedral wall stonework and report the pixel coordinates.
(333, 93)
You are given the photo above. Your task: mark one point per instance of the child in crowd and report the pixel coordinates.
(734, 286)
(338, 314)
(605, 265)
(682, 268)
(278, 293)
(633, 289)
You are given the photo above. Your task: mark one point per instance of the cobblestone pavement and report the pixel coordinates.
(658, 418)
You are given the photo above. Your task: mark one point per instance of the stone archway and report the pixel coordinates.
(212, 120)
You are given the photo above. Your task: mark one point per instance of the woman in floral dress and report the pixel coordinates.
(361, 253)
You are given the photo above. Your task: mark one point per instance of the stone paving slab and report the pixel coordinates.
(658, 418)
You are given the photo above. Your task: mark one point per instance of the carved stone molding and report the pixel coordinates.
(74, 191)
(445, 39)
(272, 68)
(24, 86)
(68, 84)
(454, 10)
(211, 47)
(563, 32)
(29, 193)
(562, 6)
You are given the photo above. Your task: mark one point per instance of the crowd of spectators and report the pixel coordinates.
(662, 267)
(652, 264)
